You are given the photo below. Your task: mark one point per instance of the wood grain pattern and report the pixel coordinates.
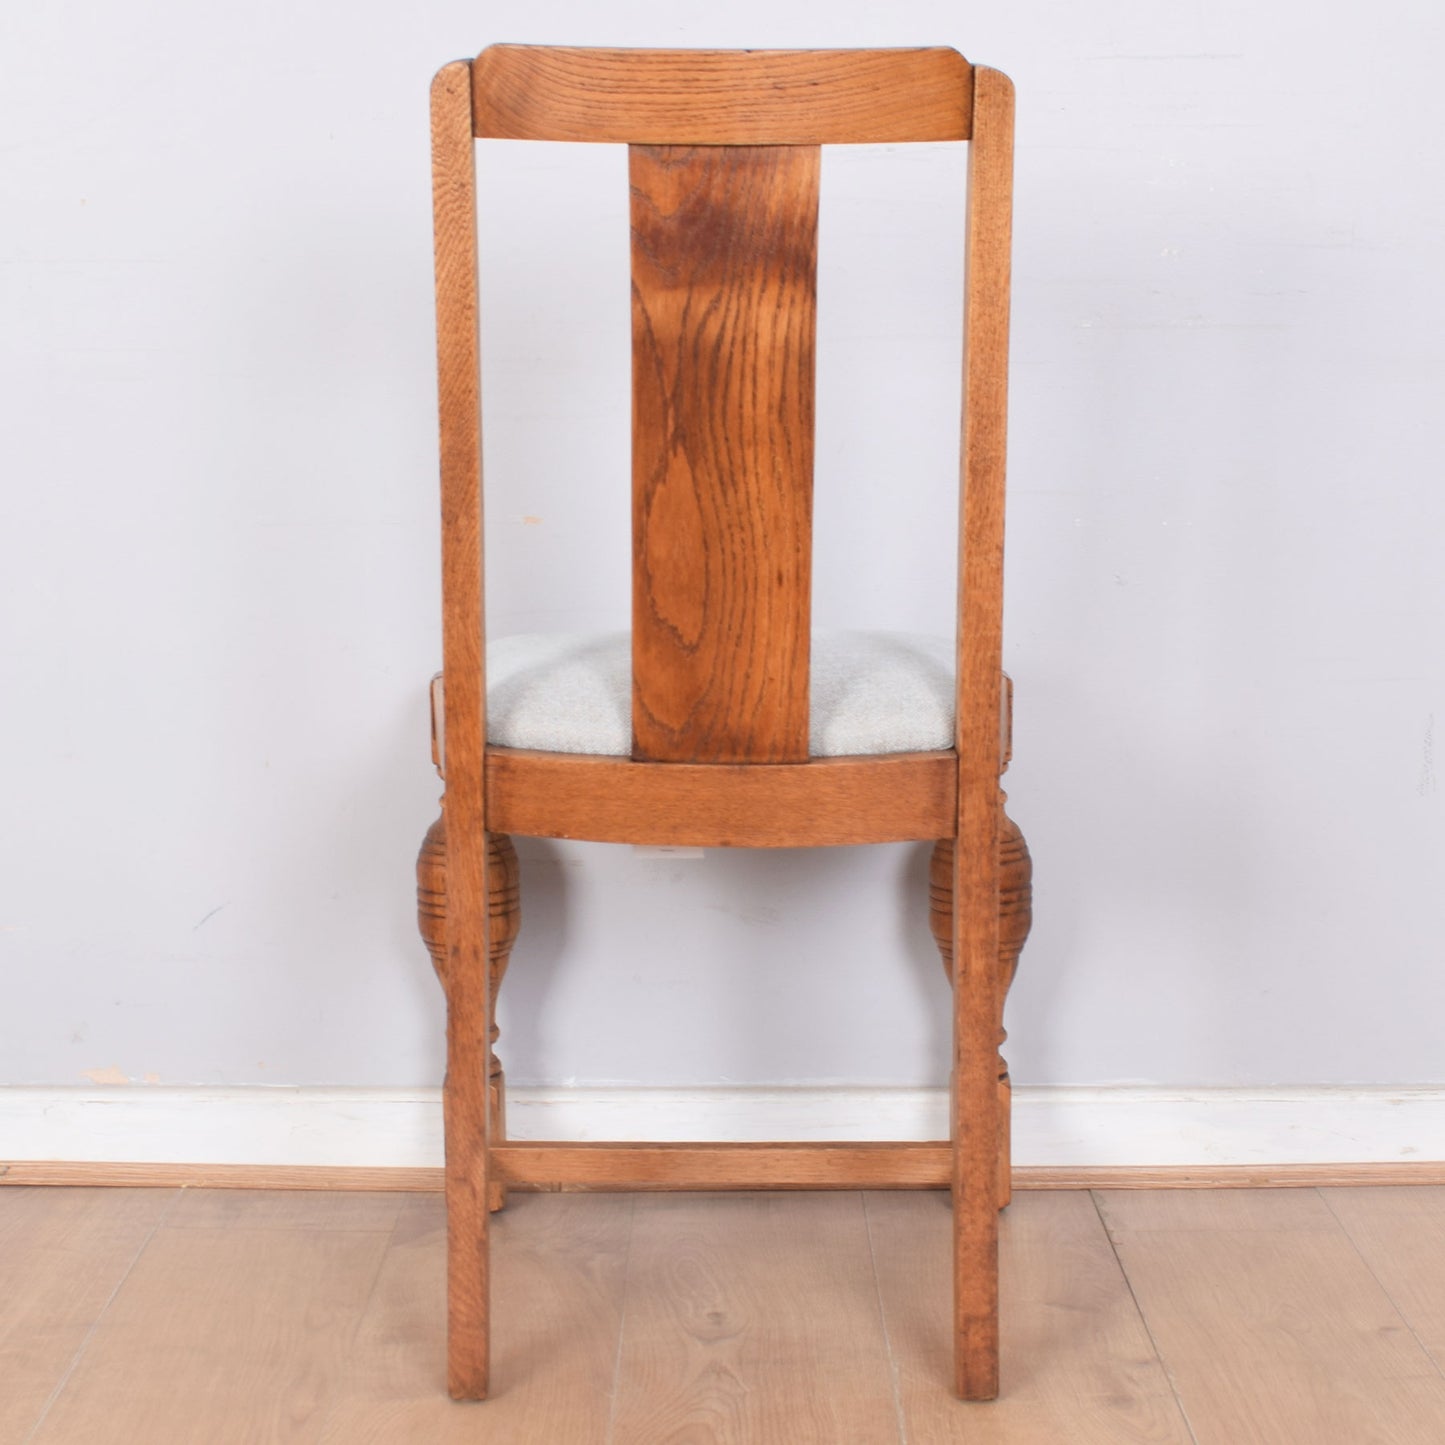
(367, 1210)
(228, 1333)
(976, 1007)
(829, 801)
(1400, 1233)
(62, 1254)
(605, 1165)
(722, 97)
(1084, 1370)
(732, 1304)
(245, 1320)
(559, 1278)
(465, 1095)
(724, 292)
(1272, 1325)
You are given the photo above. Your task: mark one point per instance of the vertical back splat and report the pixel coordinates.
(724, 303)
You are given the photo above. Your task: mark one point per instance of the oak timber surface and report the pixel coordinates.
(62, 1255)
(557, 1294)
(727, 1334)
(824, 802)
(1401, 1235)
(467, 979)
(166, 1316)
(700, 97)
(724, 295)
(1078, 1364)
(1271, 1324)
(230, 1331)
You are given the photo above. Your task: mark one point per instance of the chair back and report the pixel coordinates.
(723, 170)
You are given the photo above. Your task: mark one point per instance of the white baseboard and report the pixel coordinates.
(401, 1128)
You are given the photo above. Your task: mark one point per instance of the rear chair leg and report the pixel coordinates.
(504, 906)
(1015, 916)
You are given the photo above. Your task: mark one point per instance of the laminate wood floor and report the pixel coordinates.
(224, 1317)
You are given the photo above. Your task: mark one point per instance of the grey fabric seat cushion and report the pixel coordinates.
(871, 692)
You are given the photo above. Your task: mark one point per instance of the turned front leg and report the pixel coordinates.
(504, 909)
(1015, 916)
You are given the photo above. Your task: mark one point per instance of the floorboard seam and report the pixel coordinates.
(883, 1323)
(84, 1345)
(1384, 1289)
(1143, 1318)
(622, 1320)
(329, 1412)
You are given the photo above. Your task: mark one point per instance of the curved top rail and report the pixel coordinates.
(722, 97)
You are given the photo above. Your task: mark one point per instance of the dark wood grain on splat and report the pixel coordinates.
(724, 267)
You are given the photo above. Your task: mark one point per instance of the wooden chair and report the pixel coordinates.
(724, 165)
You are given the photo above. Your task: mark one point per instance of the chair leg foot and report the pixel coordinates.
(975, 1285)
(468, 1264)
(975, 1273)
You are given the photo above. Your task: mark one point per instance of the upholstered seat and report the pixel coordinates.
(870, 693)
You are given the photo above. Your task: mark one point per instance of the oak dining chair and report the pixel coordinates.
(722, 720)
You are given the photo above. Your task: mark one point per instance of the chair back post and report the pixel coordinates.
(464, 1095)
(979, 701)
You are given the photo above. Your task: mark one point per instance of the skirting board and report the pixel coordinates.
(391, 1138)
